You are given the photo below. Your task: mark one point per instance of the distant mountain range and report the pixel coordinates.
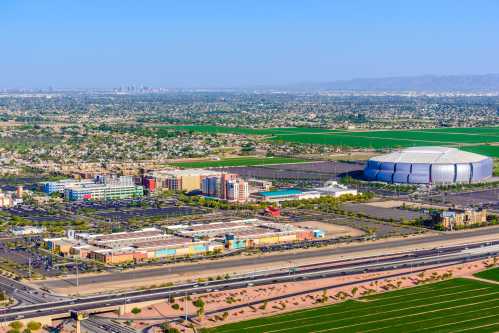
(424, 83)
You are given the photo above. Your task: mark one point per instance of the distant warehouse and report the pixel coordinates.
(429, 165)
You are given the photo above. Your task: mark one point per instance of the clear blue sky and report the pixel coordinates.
(186, 43)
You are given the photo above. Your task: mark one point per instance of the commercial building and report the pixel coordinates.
(210, 186)
(460, 218)
(245, 233)
(266, 234)
(177, 246)
(226, 186)
(332, 188)
(10, 199)
(237, 190)
(429, 165)
(284, 195)
(123, 239)
(259, 185)
(100, 188)
(181, 179)
(60, 185)
(211, 230)
(27, 230)
(135, 246)
(104, 188)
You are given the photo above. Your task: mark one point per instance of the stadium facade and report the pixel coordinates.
(429, 165)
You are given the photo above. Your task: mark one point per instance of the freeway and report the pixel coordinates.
(418, 259)
(101, 325)
(25, 294)
(224, 265)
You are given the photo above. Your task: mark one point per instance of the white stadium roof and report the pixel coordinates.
(431, 155)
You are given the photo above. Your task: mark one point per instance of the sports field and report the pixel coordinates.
(489, 274)
(370, 139)
(238, 161)
(457, 305)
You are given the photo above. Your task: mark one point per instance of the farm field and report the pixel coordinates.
(457, 305)
(492, 151)
(489, 274)
(373, 139)
(238, 161)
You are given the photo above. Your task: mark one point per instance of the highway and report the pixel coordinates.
(101, 325)
(418, 259)
(25, 294)
(226, 265)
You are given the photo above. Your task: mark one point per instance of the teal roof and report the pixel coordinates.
(280, 193)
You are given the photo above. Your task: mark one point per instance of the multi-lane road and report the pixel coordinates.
(24, 294)
(228, 265)
(414, 260)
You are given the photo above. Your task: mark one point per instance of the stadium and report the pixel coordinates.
(429, 165)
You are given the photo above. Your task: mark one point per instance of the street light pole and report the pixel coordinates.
(185, 305)
(77, 275)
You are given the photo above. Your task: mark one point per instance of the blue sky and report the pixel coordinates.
(210, 43)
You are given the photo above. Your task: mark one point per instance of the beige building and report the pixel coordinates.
(181, 180)
(456, 219)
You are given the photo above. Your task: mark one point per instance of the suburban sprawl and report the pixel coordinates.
(150, 210)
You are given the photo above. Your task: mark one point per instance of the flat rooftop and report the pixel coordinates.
(280, 193)
(173, 241)
(128, 235)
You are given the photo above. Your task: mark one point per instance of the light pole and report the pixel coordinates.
(77, 274)
(185, 305)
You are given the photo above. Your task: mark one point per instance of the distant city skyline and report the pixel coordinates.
(232, 44)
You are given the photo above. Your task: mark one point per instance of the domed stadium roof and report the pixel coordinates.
(431, 155)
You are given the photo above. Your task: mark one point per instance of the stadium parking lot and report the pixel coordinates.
(313, 171)
(485, 198)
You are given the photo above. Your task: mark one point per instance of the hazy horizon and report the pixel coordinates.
(224, 44)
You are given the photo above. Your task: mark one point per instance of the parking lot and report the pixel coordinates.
(395, 214)
(379, 228)
(165, 212)
(313, 171)
(485, 198)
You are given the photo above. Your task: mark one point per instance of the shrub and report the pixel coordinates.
(17, 325)
(34, 325)
(136, 311)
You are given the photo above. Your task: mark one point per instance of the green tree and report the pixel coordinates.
(17, 325)
(136, 311)
(34, 325)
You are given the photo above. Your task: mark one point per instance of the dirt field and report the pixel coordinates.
(331, 230)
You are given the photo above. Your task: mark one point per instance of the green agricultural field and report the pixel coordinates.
(492, 151)
(365, 139)
(238, 161)
(347, 140)
(457, 305)
(428, 136)
(489, 274)
(468, 130)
